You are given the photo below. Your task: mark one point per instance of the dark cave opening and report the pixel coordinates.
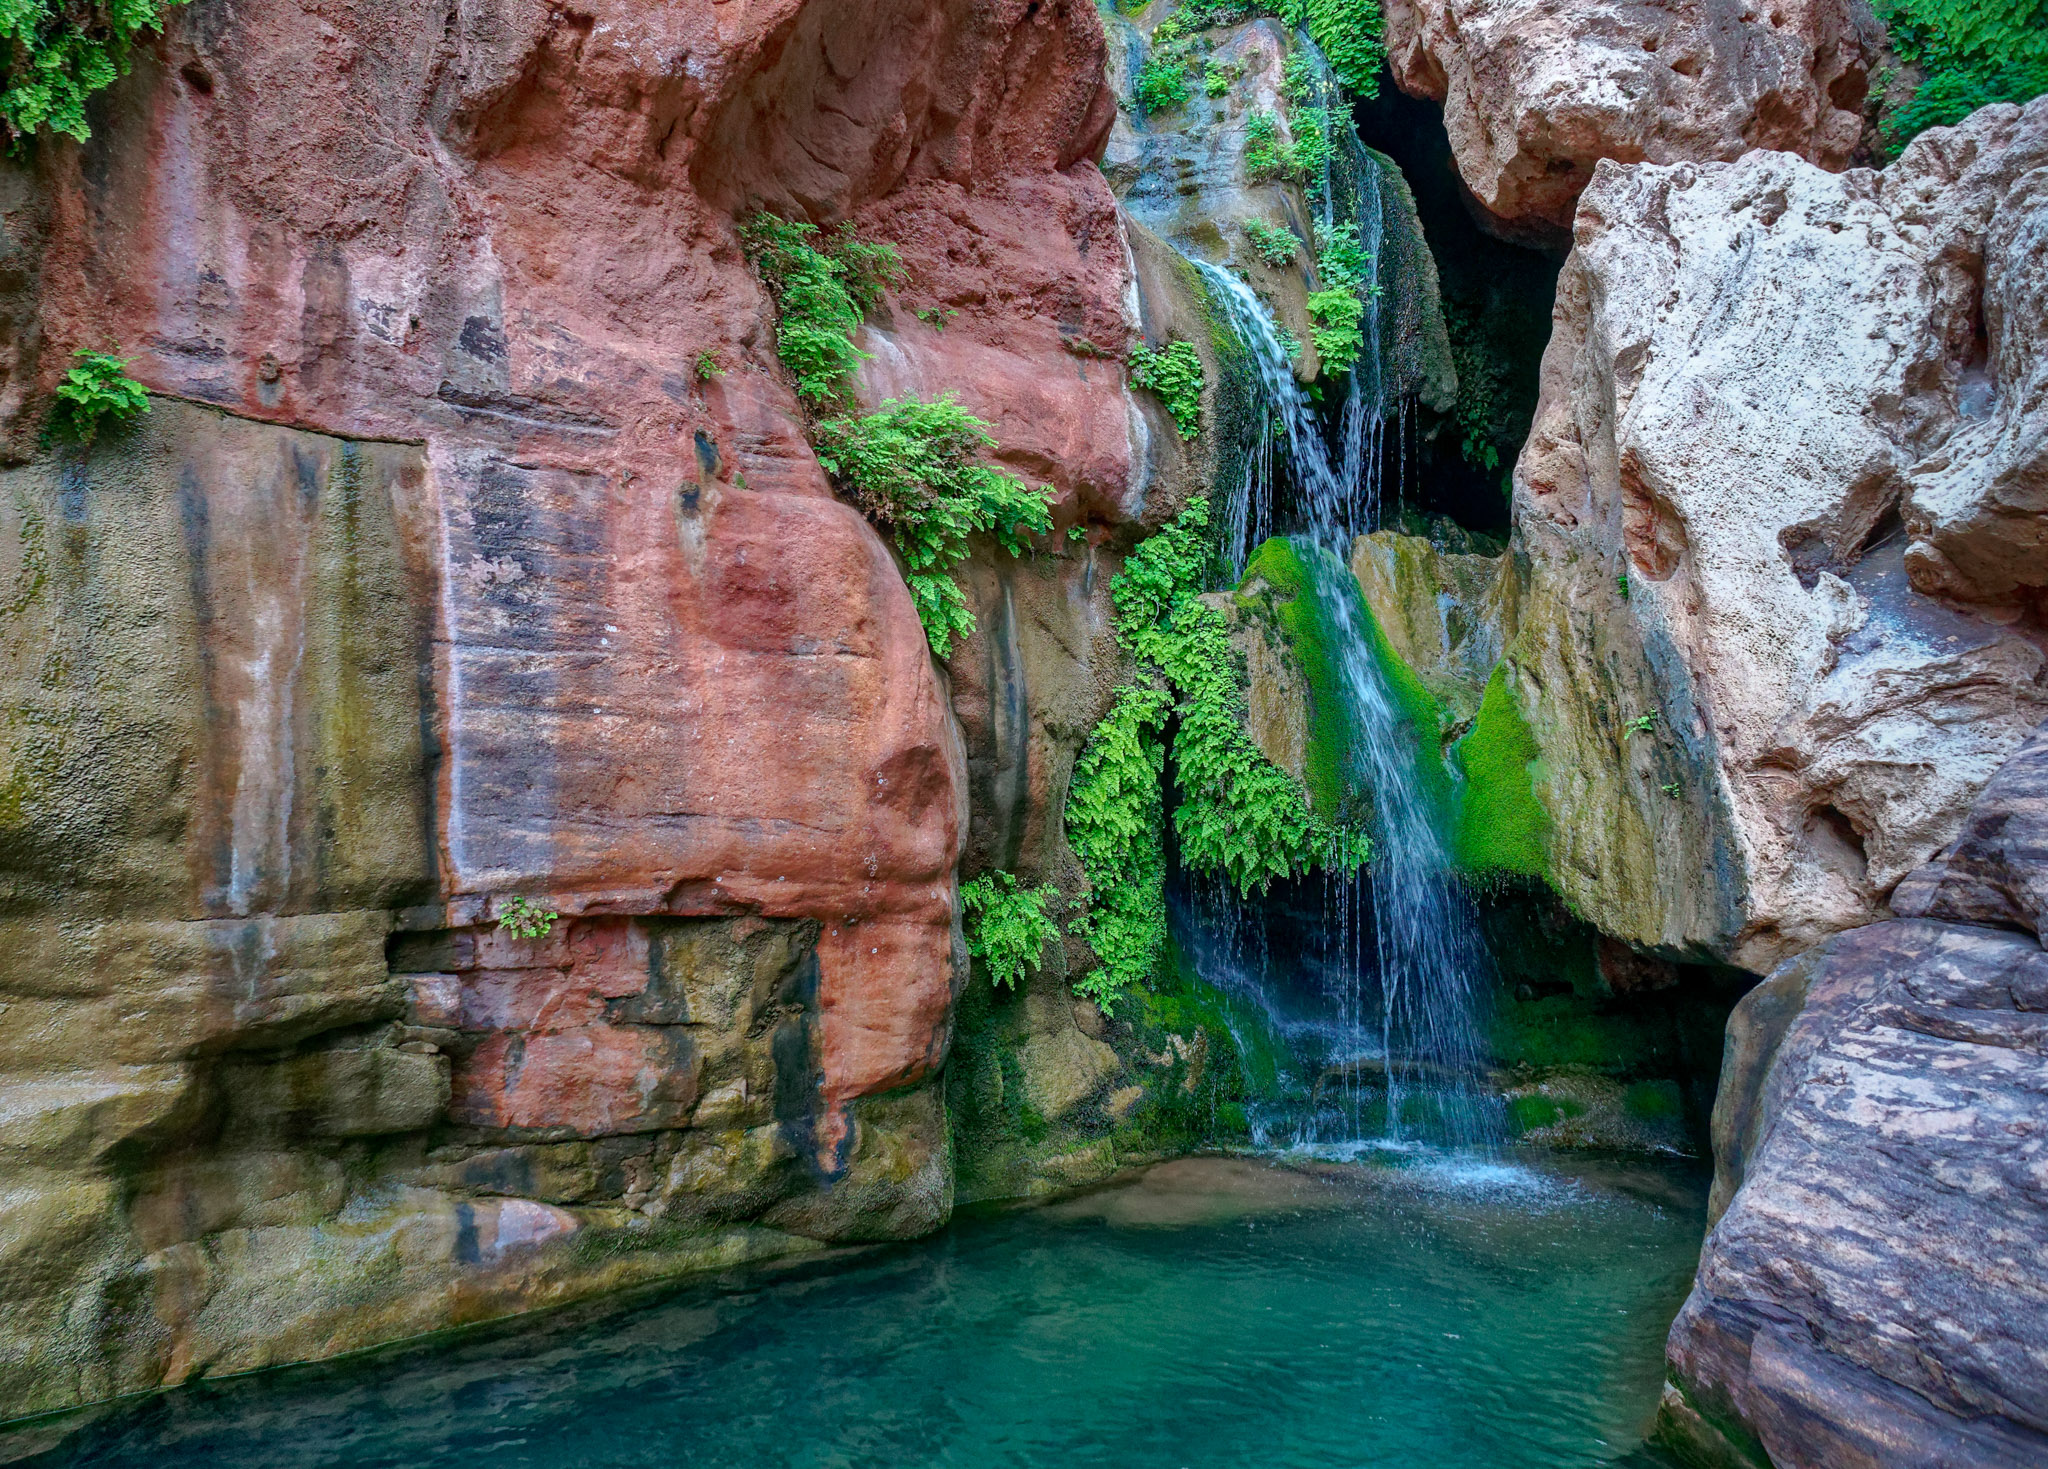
(1497, 300)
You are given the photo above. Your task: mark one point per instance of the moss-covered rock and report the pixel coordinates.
(1290, 592)
(1501, 826)
(1048, 1093)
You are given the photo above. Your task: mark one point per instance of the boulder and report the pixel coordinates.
(1872, 1292)
(1535, 95)
(1757, 366)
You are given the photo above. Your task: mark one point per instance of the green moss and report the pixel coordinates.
(1654, 1101)
(1527, 1113)
(1303, 590)
(1565, 1030)
(1501, 826)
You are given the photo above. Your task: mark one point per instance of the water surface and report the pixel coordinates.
(1210, 1312)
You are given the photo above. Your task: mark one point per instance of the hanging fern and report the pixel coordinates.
(53, 58)
(1238, 814)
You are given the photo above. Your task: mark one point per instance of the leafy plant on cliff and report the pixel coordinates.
(913, 469)
(1337, 312)
(1173, 372)
(95, 395)
(1116, 828)
(1162, 81)
(1238, 814)
(823, 285)
(1973, 53)
(54, 57)
(525, 920)
(1007, 926)
(1348, 32)
(1273, 244)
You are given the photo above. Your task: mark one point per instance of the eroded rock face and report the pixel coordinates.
(474, 548)
(1757, 370)
(1873, 1294)
(1536, 94)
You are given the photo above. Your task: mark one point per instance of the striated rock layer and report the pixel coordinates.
(474, 549)
(1536, 94)
(1779, 504)
(1873, 1293)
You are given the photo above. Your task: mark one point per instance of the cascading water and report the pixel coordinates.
(1395, 1043)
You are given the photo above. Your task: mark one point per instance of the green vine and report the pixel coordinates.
(911, 468)
(1116, 827)
(1007, 927)
(1174, 372)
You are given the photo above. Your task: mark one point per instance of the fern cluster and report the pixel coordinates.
(823, 284)
(1174, 372)
(1272, 244)
(1974, 53)
(1237, 814)
(1349, 33)
(911, 468)
(1301, 160)
(95, 395)
(1162, 82)
(1007, 926)
(54, 57)
(1337, 311)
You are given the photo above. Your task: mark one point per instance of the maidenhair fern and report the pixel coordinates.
(1337, 312)
(1348, 32)
(95, 395)
(1238, 814)
(54, 57)
(1174, 372)
(824, 284)
(1973, 52)
(1116, 827)
(913, 469)
(1007, 926)
(1274, 244)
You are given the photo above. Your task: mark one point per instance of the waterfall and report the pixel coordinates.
(1402, 962)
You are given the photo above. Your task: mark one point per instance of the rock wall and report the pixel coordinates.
(1536, 94)
(1774, 399)
(1872, 1293)
(473, 549)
